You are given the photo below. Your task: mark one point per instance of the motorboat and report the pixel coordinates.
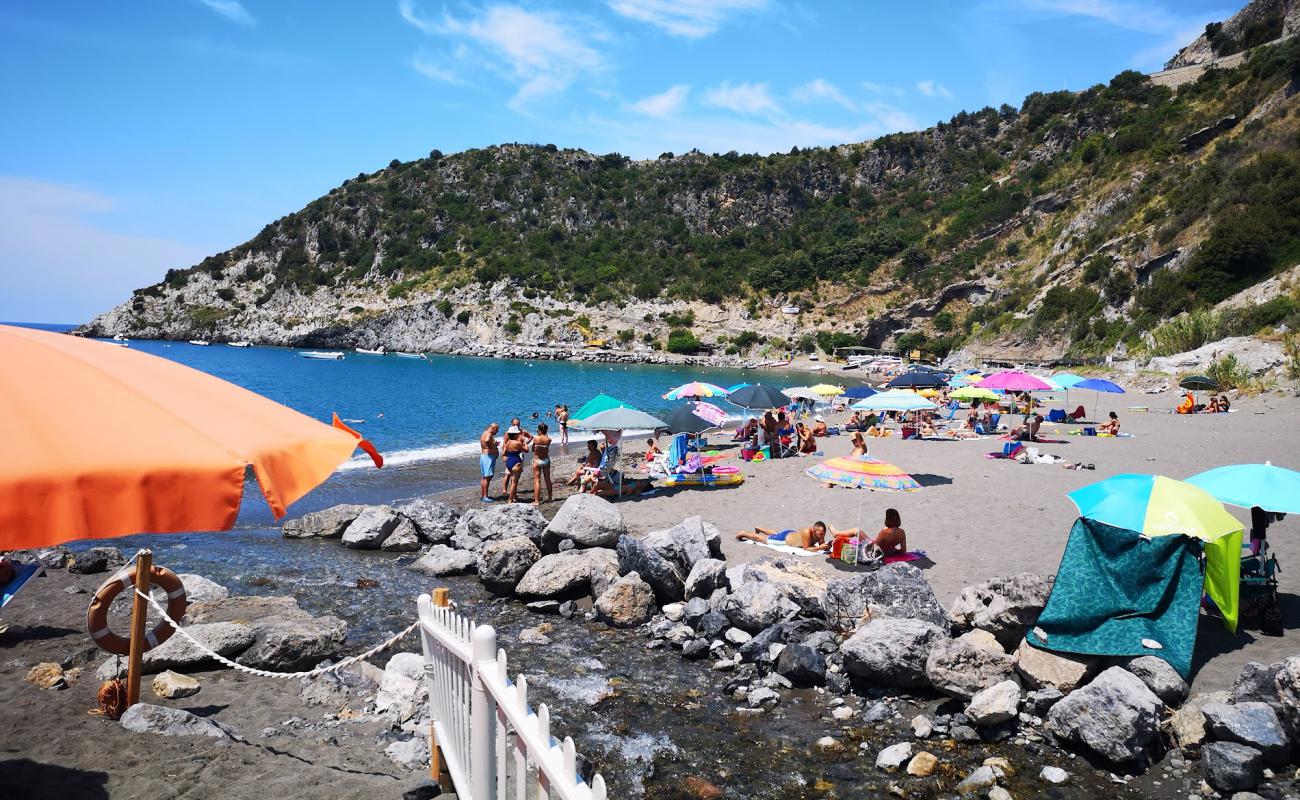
(409, 355)
(119, 338)
(240, 344)
(363, 351)
(199, 342)
(322, 355)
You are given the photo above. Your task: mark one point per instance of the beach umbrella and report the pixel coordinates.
(109, 441)
(974, 393)
(1067, 380)
(958, 381)
(1199, 383)
(620, 419)
(916, 379)
(1013, 380)
(893, 401)
(827, 390)
(758, 396)
(801, 393)
(710, 412)
(695, 390)
(736, 387)
(597, 404)
(1248, 485)
(683, 419)
(1099, 385)
(863, 472)
(859, 392)
(1154, 505)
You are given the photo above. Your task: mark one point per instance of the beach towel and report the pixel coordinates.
(1118, 593)
(1009, 450)
(910, 555)
(22, 574)
(787, 549)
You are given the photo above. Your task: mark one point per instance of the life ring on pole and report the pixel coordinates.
(97, 614)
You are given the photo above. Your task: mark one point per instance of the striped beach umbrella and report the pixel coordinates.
(695, 390)
(863, 472)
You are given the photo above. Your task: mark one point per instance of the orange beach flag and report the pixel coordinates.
(103, 441)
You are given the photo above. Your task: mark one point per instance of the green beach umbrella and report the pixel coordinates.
(597, 404)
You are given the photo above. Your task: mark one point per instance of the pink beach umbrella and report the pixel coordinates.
(1013, 380)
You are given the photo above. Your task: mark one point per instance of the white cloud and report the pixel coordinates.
(820, 90)
(743, 98)
(434, 71)
(691, 19)
(63, 263)
(933, 89)
(231, 10)
(664, 104)
(882, 88)
(541, 52)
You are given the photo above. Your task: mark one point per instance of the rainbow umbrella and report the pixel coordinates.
(1154, 505)
(695, 390)
(863, 472)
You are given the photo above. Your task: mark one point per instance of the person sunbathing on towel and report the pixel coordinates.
(813, 538)
(1110, 426)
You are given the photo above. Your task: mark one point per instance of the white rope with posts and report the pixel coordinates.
(263, 673)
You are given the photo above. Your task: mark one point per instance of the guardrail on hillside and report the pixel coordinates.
(494, 744)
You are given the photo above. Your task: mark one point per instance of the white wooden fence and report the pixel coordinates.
(493, 744)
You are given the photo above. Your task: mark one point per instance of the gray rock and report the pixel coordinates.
(894, 756)
(464, 541)
(1287, 685)
(1040, 701)
(922, 727)
(338, 688)
(1231, 767)
(694, 609)
(199, 589)
(178, 653)
(706, 577)
(1005, 606)
(1053, 775)
(502, 564)
(440, 560)
(174, 686)
(1187, 727)
(626, 604)
(1250, 723)
(757, 605)
(1257, 683)
(713, 624)
(686, 543)
(411, 753)
(327, 524)
(763, 696)
(503, 521)
(403, 539)
(695, 649)
(566, 545)
(803, 583)
(1160, 678)
(995, 704)
(664, 576)
(892, 652)
(961, 668)
(96, 560)
(550, 607)
(802, 665)
(371, 527)
(434, 520)
(759, 648)
(54, 557)
(566, 575)
(402, 688)
(1043, 668)
(737, 636)
(587, 521)
(980, 779)
(294, 642)
(164, 721)
(896, 591)
(1116, 716)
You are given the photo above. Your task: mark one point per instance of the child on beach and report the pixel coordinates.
(651, 450)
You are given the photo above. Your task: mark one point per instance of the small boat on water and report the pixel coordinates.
(240, 344)
(322, 356)
(381, 351)
(119, 338)
(199, 342)
(409, 355)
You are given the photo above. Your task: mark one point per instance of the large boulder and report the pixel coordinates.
(891, 651)
(795, 578)
(228, 639)
(1116, 717)
(289, 643)
(1254, 724)
(500, 522)
(1005, 606)
(1230, 767)
(962, 667)
(664, 575)
(994, 705)
(199, 589)
(371, 527)
(565, 575)
(1287, 684)
(503, 563)
(434, 520)
(897, 591)
(1042, 668)
(327, 524)
(441, 560)
(687, 542)
(96, 560)
(586, 520)
(756, 605)
(1160, 678)
(627, 603)
(1257, 683)
(403, 690)
(403, 539)
(706, 577)
(149, 718)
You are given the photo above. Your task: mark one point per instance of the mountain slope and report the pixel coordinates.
(1073, 224)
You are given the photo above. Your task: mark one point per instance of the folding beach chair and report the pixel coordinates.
(1259, 589)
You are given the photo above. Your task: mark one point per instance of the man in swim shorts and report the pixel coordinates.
(487, 460)
(812, 538)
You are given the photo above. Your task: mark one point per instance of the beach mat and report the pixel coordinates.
(910, 555)
(23, 574)
(787, 549)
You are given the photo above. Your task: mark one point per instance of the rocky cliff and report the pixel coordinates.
(1073, 225)
(1259, 22)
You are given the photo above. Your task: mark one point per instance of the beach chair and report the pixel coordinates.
(608, 469)
(952, 409)
(1258, 596)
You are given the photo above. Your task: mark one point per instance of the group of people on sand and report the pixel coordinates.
(783, 436)
(820, 537)
(1216, 405)
(515, 444)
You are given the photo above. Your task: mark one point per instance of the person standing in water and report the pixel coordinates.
(542, 464)
(562, 417)
(487, 460)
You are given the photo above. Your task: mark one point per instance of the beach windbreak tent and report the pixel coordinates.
(105, 441)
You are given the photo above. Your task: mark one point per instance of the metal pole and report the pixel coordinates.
(139, 614)
(483, 718)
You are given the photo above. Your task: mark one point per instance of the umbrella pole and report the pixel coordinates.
(139, 611)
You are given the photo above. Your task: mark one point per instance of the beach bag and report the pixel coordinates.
(1089, 431)
(837, 546)
(748, 455)
(849, 552)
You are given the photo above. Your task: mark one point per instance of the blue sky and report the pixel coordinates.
(148, 134)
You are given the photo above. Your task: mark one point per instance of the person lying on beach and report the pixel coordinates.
(590, 459)
(1110, 426)
(813, 538)
(928, 429)
(819, 427)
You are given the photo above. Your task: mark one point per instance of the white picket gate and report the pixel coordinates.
(480, 716)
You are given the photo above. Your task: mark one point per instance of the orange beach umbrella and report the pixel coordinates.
(103, 441)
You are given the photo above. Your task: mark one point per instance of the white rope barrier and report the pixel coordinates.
(262, 673)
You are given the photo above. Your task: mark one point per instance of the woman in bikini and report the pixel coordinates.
(542, 464)
(1110, 426)
(514, 450)
(892, 539)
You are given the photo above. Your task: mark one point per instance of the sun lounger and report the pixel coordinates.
(22, 574)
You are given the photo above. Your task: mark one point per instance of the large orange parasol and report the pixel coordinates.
(103, 441)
